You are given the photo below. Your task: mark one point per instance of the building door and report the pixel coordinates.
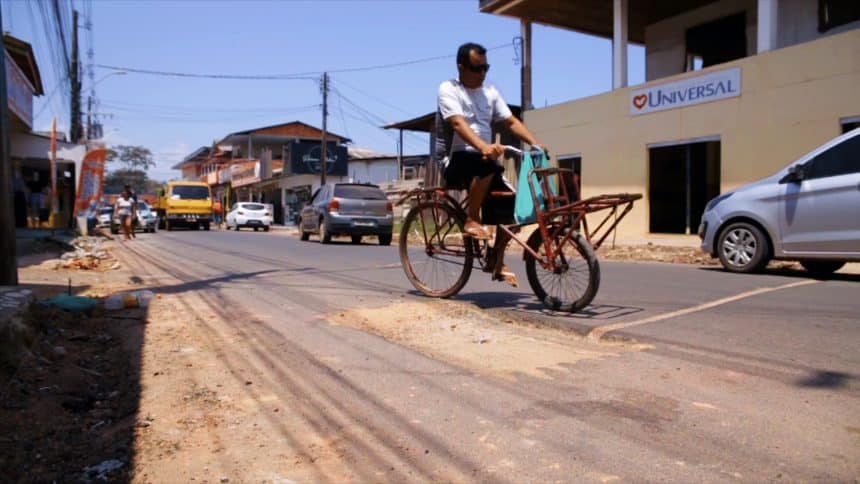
(682, 179)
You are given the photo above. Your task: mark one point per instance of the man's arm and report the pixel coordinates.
(520, 131)
(490, 151)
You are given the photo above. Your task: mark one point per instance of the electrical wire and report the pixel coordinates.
(312, 75)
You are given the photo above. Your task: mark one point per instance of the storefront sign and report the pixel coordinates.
(305, 158)
(19, 91)
(695, 90)
(92, 180)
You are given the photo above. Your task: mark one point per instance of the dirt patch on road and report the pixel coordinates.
(466, 336)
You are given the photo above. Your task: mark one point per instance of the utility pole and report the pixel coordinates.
(525, 67)
(9, 261)
(323, 154)
(90, 117)
(75, 134)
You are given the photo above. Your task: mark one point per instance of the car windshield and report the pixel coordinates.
(142, 206)
(182, 192)
(253, 206)
(362, 192)
(106, 210)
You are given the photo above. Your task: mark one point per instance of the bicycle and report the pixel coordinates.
(561, 264)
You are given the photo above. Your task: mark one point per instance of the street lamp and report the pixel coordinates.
(90, 127)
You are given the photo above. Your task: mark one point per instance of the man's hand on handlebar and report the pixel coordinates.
(493, 151)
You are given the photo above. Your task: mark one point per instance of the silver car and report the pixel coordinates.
(352, 209)
(809, 211)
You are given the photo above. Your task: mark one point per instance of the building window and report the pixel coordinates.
(833, 13)
(716, 42)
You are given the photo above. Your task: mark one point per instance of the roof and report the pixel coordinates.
(293, 129)
(427, 122)
(22, 53)
(592, 16)
(198, 156)
(366, 154)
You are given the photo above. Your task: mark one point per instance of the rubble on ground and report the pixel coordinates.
(88, 254)
(656, 253)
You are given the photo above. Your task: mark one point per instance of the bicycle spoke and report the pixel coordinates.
(436, 254)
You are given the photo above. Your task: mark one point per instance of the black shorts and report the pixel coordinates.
(463, 167)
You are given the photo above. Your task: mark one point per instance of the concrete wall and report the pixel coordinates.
(798, 22)
(665, 41)
(375, 171)
(791, 101)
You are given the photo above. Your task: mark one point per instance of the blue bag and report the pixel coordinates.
(524, 209)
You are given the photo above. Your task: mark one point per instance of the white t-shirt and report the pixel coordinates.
(480, 107)
(123, 206)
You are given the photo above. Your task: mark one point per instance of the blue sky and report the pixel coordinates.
(172, 116)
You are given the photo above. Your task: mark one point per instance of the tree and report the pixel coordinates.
(135, 161)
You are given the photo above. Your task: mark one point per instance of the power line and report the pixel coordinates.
(250, 77)
(192, 109)
(312, 75)
(381, 101)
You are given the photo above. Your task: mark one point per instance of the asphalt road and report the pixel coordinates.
(746, 378)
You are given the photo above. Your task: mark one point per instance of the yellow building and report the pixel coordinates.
(735, 90)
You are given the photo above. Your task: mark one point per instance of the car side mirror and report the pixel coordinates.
(795, 174)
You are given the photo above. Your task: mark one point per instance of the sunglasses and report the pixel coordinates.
(479, 68)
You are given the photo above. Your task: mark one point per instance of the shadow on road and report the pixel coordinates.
(825, 379)
(791, 272)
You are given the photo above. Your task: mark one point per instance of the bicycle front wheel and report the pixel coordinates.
(573, 282)
(435, 255)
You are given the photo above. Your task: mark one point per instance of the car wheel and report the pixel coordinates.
(821, 268)
(114, 230)
(356, 239)
(304, 235)
(384, 239)
(742, 247)
(325, 237)
(255, 229)
(266, 228)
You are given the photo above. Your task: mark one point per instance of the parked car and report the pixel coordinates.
(808, 211)
(104, 216)
(146, 220)
(248, 214)
(352, 209)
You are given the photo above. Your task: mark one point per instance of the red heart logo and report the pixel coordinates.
(640, 100)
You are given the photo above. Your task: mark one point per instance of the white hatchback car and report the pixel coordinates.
(250, 214)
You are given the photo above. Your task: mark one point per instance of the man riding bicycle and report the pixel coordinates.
(468, 158)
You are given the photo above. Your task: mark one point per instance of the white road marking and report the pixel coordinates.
(598, 332)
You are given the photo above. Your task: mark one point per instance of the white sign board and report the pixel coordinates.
(694, 90)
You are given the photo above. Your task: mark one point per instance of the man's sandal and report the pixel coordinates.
(506, 275)
(476, 231)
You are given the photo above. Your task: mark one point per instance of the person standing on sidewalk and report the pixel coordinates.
(123, 210)
(134, 220)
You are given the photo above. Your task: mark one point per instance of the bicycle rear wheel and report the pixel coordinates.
(576, 278)
(435, 255)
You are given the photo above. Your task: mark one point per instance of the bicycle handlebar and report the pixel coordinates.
(518, 151)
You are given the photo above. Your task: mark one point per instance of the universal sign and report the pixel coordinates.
(695, 90)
